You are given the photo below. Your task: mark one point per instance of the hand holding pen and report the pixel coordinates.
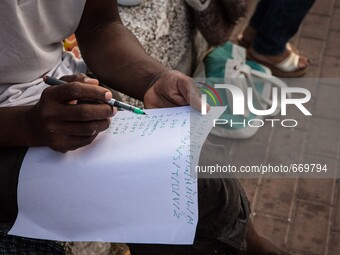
(62, 126)
(113, 102)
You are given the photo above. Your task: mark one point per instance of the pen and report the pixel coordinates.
(113, 102)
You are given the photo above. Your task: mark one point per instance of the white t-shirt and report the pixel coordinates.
(31, 32)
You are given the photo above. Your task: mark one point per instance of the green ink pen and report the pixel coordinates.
(113, 102)
(118, 104)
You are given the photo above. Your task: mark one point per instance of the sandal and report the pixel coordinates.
(288, 68)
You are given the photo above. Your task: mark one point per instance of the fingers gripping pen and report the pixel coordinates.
(113, 102)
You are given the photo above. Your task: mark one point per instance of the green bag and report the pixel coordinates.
(227, 64)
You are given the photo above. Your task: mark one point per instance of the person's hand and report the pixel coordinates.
(171, 89)
(62, 124)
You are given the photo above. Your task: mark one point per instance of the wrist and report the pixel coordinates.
(31, 124)
(16, 129)
(154, 78)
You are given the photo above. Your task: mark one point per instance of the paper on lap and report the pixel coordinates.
(131, 185)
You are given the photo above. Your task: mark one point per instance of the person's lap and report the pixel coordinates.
(223, 215)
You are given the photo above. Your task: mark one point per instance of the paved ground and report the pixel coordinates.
(302, 215)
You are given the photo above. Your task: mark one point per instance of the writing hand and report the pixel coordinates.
(172, 88)
(62, 124)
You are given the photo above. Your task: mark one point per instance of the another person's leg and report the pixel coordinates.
(256, 20)
(273, 24)
(280, 21)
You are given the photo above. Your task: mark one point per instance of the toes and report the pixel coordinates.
(303, 62)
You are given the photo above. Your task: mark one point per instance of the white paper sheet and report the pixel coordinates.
(132, 184)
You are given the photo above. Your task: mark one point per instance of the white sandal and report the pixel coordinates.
(288, 68)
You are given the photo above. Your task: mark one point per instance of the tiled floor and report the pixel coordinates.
(303, 215)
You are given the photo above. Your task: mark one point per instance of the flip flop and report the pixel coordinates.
(288, 68)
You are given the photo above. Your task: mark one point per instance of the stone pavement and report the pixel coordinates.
(302, 215)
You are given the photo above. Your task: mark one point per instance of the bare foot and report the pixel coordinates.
(248, 36)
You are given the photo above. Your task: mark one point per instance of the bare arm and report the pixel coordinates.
(16, 128)
(117, 58)
(113, 53)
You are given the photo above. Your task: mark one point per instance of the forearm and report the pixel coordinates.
(16, 129)
(116, 57)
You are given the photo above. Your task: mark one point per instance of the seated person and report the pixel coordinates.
(34, 114)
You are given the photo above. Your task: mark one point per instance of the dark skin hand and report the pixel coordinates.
(66, 125)
(124, 65)
(115, 56)
(57, 121)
